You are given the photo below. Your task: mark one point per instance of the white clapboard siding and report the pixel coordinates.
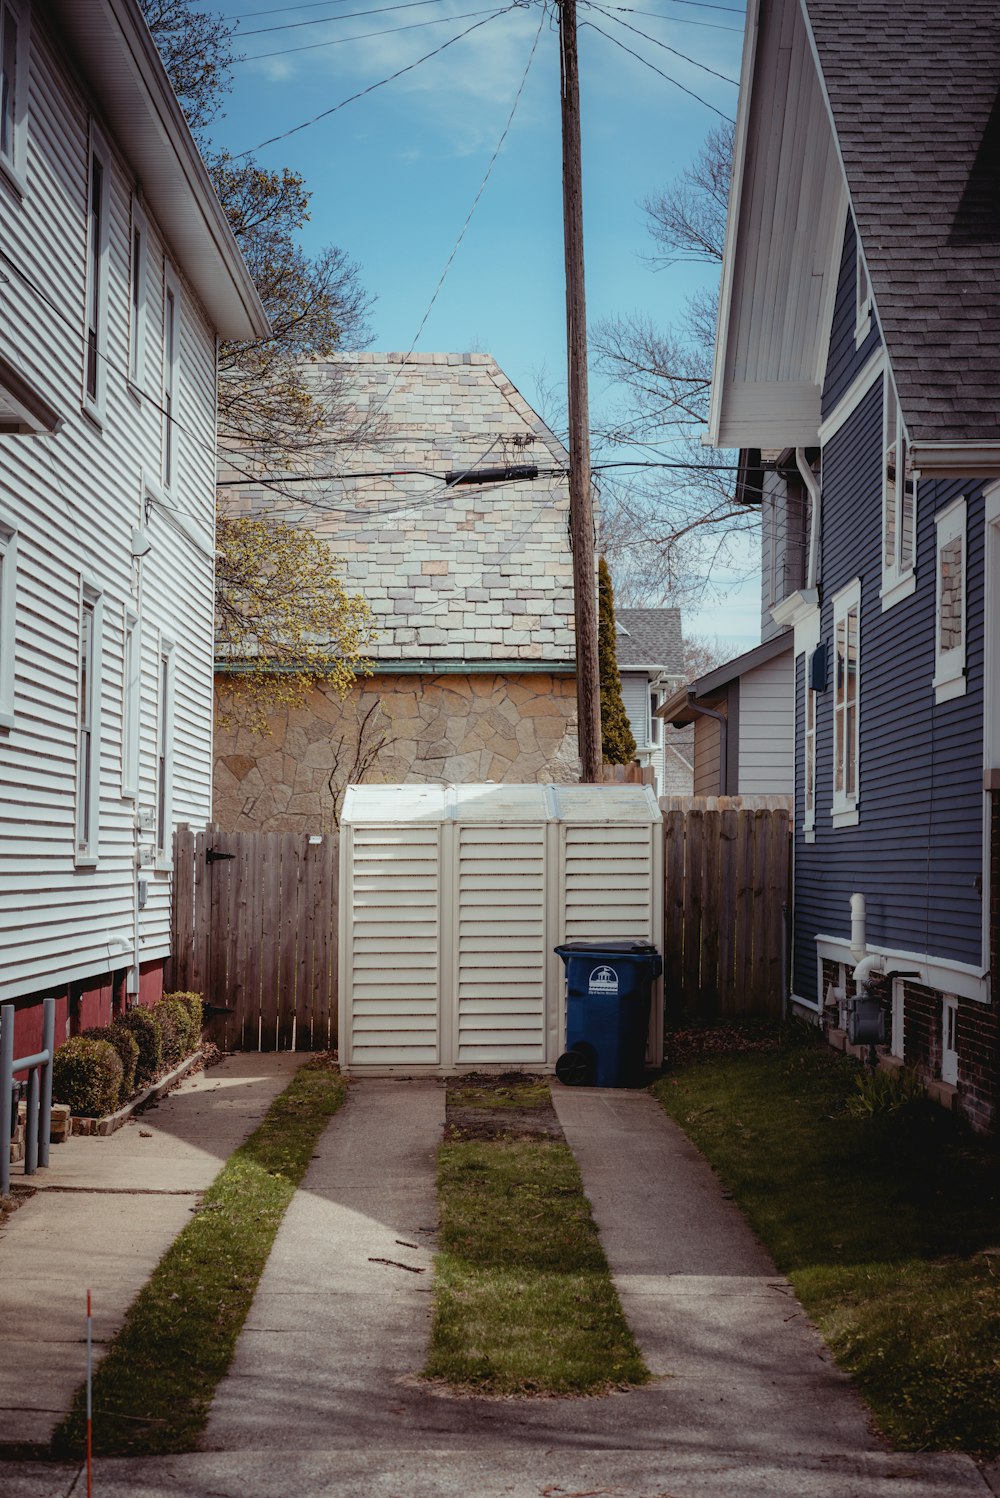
(456, 898)
(72, 500)
(500, 979)
(393, 893)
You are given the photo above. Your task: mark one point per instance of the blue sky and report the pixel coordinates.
(395, 173)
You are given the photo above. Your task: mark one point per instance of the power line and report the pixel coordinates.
(359, 37)
(639, 58)
(657, 43)
(324, 114)
(634, 10)
(347, 15)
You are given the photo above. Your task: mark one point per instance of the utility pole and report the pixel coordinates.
(581, 512)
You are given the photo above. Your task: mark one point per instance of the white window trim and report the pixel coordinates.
(12, 167)
(8, 622)
(138, 326)
(170, 382)
(86, 854)
(94, 405)
(131, 692)
(165, 656)
(808, 753)
(949, 1055)
(898, 581)
(862, 296)
(949, 665)
(844, 808)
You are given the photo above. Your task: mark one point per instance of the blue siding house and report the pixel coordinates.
(859, 335)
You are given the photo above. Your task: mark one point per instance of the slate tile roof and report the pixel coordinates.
(650, 637)
(914, 86)
(458, 574)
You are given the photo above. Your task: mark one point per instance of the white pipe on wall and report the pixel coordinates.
(859, 943)
(812, 488)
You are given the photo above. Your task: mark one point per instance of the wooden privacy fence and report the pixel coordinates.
(727, 895)
(255, 932)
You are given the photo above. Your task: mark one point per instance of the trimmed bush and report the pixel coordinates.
(195, 1008)
(175, 1023)
(127, 1047)
(145, 1026)
(87, 1074)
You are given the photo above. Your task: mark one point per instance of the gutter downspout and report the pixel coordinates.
(723, 722)
(813, 490)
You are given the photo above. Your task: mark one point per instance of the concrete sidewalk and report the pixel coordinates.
(323, 1400)
(103, 1214)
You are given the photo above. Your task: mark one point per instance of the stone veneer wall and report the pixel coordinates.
(437, 728)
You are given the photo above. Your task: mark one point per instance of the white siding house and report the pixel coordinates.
(117, 273)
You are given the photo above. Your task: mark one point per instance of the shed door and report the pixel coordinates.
(501, 944)
(395, 971)
(609, 883)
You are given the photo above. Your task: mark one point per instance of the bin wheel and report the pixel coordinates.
(576, 1067)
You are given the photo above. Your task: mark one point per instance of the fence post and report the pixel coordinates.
(6, 1092)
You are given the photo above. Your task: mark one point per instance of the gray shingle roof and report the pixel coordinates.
(913, 85)
(650, 637)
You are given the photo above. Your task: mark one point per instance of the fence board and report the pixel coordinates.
(270, 947)
(712, 914)
(728, 822)
(288, 924)
(692, 903)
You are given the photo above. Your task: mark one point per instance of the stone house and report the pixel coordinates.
(453, 524)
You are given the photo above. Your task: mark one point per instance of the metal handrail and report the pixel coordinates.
(38, 1119)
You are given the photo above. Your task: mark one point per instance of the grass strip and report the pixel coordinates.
(154, 1387)
(524, 1301)
(884, 1225)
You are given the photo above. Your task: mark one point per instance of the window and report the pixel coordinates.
(130, 707)
(164, 757)
(97, 258)
(14, 27)
(655, 723)
(171, 350)
(899, 503)
(863, 300)
(809, 755)
(137, 298)
(846, 703)
(8, 591)
(949, 627)
(949, 1042)
(88, 752)
(898, 1032)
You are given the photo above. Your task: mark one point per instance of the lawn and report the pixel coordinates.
(888, 1228)
(153, 1389)
(524, 1301)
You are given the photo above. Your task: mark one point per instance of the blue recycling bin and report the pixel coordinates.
(608, 986)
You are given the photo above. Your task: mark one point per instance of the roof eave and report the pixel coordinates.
(956, 460)
(116, 52)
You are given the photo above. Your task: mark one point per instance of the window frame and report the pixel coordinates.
(844, 809)
(12, 162)
(897, 1027)
(899, 578)
(163, 811)
(170, 381)
(138, 322)
(949, 680)
(809, 710)
(8, 621)
(87, 804)
(949, 1031)
(131, 704)
(96, 297)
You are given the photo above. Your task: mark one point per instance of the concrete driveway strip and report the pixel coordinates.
(104, 1213)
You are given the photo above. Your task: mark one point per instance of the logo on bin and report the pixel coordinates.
(603, 980)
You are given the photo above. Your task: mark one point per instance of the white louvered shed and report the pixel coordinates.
(452, 901)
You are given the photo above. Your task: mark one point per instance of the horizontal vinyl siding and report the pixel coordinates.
(765, 731)
(707, 756)
(916, 854)
(73, 499)
(846, 361)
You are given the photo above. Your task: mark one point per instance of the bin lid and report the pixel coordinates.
(616, 946)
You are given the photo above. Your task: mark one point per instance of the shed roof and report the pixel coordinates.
(500, 803)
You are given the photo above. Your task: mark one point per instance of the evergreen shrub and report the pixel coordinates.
(87, 1074)
(148, 1032)
(125, 1043)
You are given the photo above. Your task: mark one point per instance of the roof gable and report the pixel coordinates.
(650, 637)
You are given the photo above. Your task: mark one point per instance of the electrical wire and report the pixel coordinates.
(634, 10)
(324, 114)
(657, 43)
(361, 36)
(639, 58)
(347, 15)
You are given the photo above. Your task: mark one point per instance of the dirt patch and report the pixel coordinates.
(19, 1194)
(511, 1105)
(702, 1041)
